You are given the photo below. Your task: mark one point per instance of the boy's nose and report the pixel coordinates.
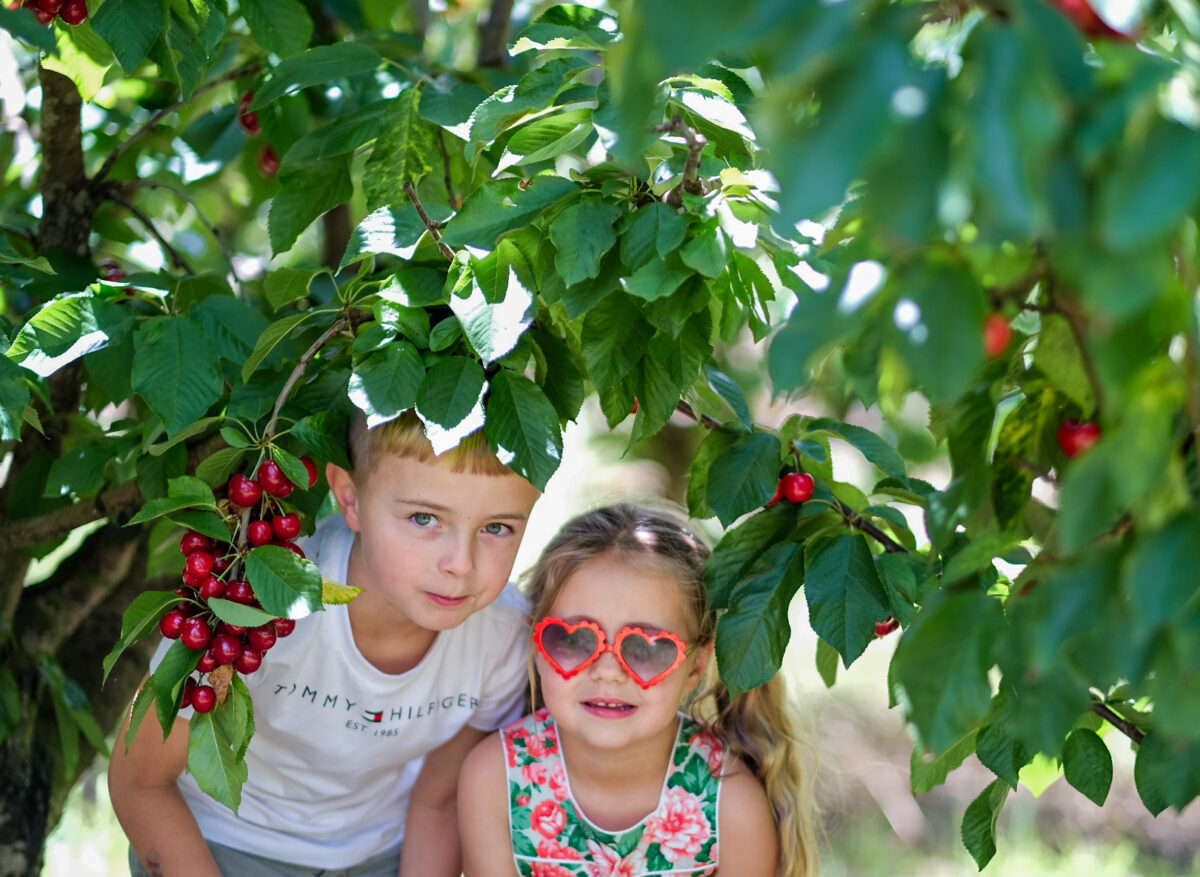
(456, 559)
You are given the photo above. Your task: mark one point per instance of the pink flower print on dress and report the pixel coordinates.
(709, 748)
(552, 849)
(548, 819)
(679, 825)
(539, 747)
(606, 862)
(558, 781)
(535, 773)
(547, 869)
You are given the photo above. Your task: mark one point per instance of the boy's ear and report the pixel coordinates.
(345, 491)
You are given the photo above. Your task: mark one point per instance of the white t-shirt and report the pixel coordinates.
(338, 744)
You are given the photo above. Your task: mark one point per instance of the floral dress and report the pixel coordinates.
(551, 837)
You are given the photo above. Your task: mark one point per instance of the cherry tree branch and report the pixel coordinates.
(441, 142)
(298, 372)
(696, 142)
(493, 34)
(434, 228)
(176, 258)
(115, 155)
(1129, 729)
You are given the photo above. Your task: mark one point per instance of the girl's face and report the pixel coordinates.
(602, 705)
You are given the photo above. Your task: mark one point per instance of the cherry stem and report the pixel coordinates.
(106, 168)
(433, 227)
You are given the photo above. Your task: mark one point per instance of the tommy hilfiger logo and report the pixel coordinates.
(403, 712)
(373, 716)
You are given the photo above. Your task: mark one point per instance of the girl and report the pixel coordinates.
(609, 778)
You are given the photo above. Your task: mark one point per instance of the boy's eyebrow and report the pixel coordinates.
(438, 507)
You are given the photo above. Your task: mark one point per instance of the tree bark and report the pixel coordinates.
(493, 35)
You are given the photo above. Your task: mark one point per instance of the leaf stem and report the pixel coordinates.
(433, 227)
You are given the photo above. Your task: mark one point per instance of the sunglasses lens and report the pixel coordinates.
(566, 648)
(648, 659)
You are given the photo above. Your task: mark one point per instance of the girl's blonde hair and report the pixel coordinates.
(755, 726)
(405, 437)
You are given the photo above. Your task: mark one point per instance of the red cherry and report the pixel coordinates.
(190, 580)
(211, 587)
(235, 629)
(193, 541)
(244, 491)
(189, 689)
(635, 405)
(262, 638)
(996, 334)
(883, 628)
(223, 562)
(290, 546)
(284, 626)
(248, 117)
(225, 648)
(1086, 19)
(239, 591)
(74, 12)
(797, 486)
(268, 161)
(195, 633)
(312, 470)
(47, 5)
(1074, 437)
(204, 699)
(248, 661)
(259, 532)
(286, 527)
(198, 565)
(207, 663)
(778, 494)
(273, 481)
(171, 623)
(43, 16)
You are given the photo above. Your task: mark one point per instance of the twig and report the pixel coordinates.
(176, 259)
(433, 227)
(1129, 729)
(298, 372)
(696, 142)
(705, 420)
(441, 140)
(106, 168)
(858, 522)
(212, 229)
(1076, 320)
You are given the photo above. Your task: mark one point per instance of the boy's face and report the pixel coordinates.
(434, 544)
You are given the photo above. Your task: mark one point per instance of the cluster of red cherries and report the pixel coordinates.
(268, 158)
(70, 11)
(211, 570)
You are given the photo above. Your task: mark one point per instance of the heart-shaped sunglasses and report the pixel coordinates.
(648, 658)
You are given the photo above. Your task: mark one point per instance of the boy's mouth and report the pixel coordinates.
(443, 600)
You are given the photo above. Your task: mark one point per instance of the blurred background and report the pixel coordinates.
(874, 823)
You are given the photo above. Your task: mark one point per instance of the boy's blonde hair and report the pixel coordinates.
(405, 437)
(755, 726)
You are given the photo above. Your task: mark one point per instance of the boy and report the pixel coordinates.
(364, 714)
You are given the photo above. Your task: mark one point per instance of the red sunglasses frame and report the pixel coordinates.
(682, 649)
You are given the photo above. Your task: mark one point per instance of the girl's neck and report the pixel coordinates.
(615, 789)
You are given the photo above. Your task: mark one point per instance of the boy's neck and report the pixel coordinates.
(390, 643)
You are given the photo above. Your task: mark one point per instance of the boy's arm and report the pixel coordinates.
(749, 840)
(483, 812)
(149, 805)
(431, 845)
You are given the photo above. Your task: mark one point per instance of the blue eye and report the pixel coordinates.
(496, 529)
(423, 519)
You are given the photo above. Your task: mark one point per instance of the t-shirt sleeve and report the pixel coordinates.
(506, 684)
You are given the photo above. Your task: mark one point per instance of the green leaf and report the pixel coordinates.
(558, 374)
(845, 597)
(728, 390)
(582, 234)
(979, 822)
(209, 524)
(324, 434)
(14, 398)
(567, 27)
(523, 427)
(744, 477)
(60, 332)
(871, 446)
(1058, 355)
(173, 372)
(827, 662)
(740, 547)
(945, 699)
(753, 634)
(286, 285)
(167, 681)
(238, 613)
(613, 339)
(928, 771)
(271, 336)
(22, 25)
(140, 618)
(401, 154)
(1087, 764)
(655, 230)
(706, 253)
(341, 135)
(212, 761)
(305, 196)
(319, 65)
(499, 307)
(1167, 772)
(547, 137)
(385, 384)
(712, 446)
(130, 27)
(500, 206)
(657, 278)
(287, 585)
(451, 391)
(282, 27)
(1159, 575)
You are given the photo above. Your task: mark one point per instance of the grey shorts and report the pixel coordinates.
(234, 863)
